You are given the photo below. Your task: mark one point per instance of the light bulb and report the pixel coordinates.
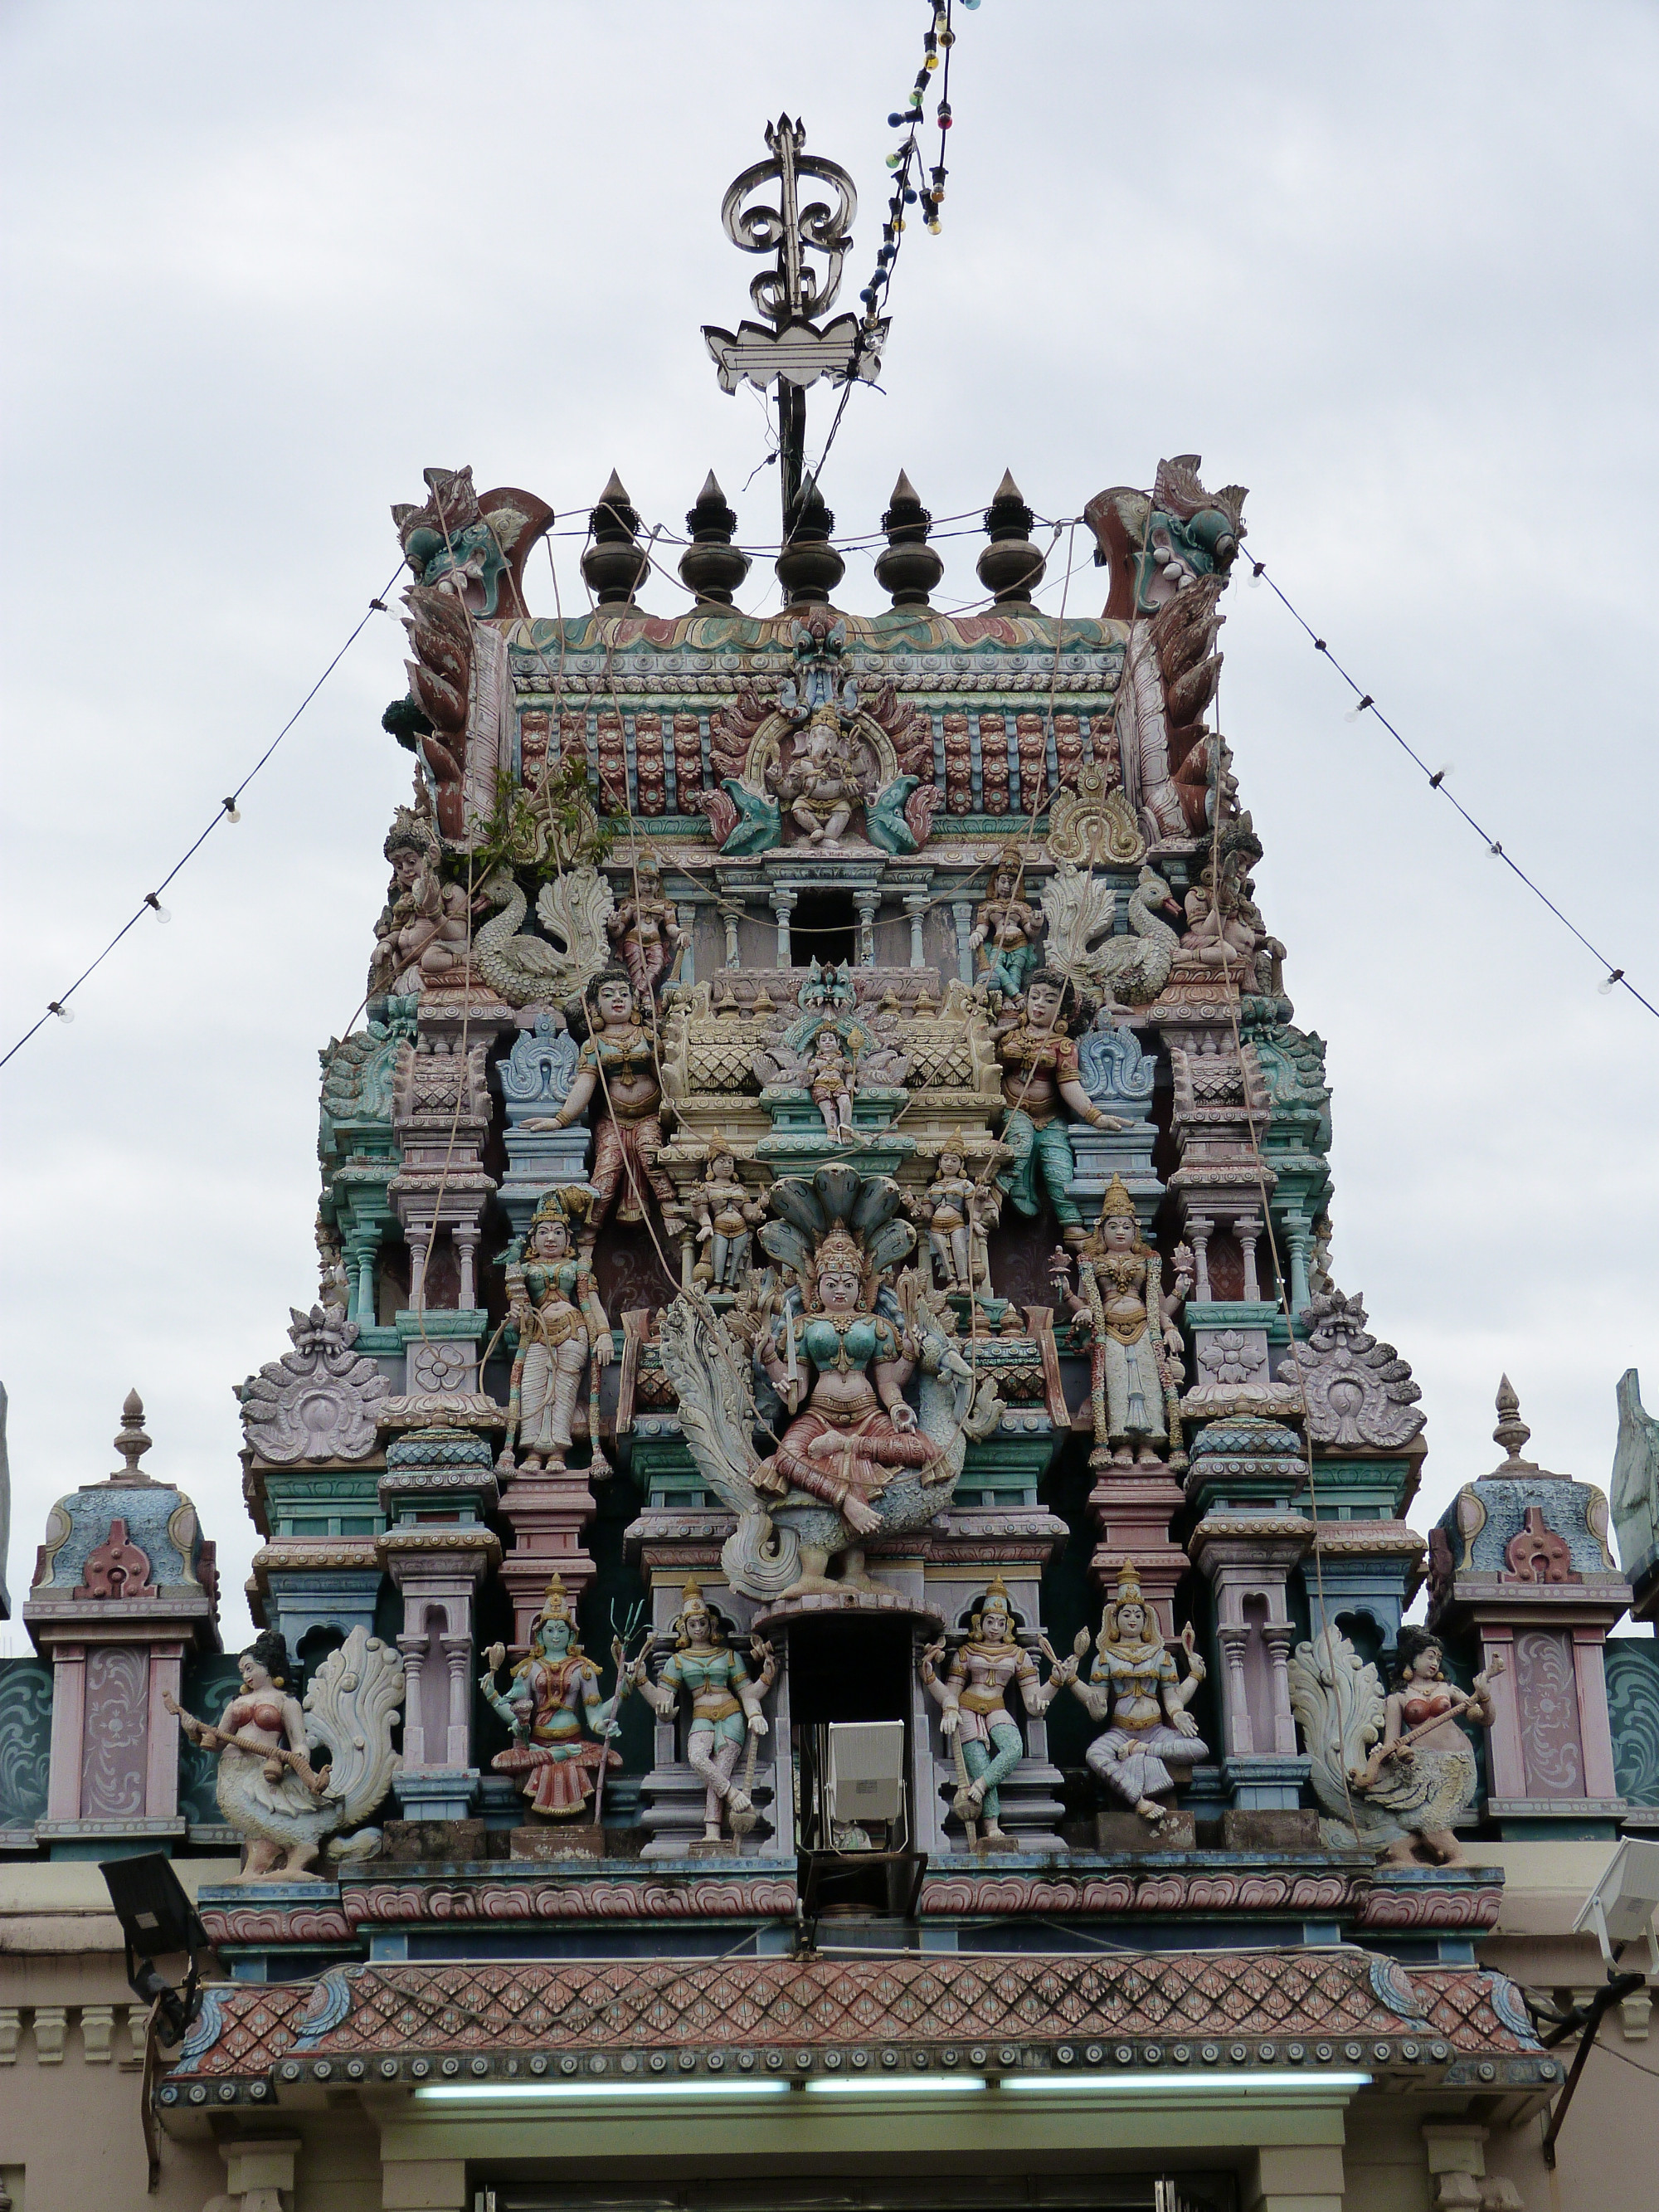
(233, 812)
(1358, 707)
(931, 62)
(1613, 977)
(63, 1013)
(1254, 579)
(1440, 774)
(162, 912)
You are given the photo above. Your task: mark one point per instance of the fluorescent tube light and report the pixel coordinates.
(543, 2091)
(880, 2085)
(1144, 2083)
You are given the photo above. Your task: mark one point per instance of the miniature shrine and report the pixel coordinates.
(828, 1521)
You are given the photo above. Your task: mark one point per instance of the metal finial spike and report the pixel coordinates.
(903, 489)
(132, 1444)
(711, 495)
(615, 493)
(1008, 488)
(1511, 1431)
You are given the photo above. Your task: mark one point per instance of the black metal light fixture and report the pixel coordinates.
(158, 1921)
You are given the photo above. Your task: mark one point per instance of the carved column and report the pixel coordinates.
(438, 1486)
(466, 1244)
(1298, 1241)
(419, 1235)
(1199, 1233)
(783, 905)
(962, 911)
(1235, 1725)
(458, 1652)
(729, 917)
(916, 905)
(1247, 1229)
(1247, 1541)
(686, 912)
(866, 903)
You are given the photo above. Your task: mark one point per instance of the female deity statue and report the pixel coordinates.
(422, 936)
(266, 1779)
(1132, 1671)
(725, 1214)
(958, 1212)
(1129, 1328)
(855, 1432)
(1423, 1772)
(725, 1703)
(551, 1691)
(831, 1080)
(645, 930)
(619, 1060)
(1039, 1081)
(971, 1695)
(1008, 928)
(554, 1302)
(286, 1809)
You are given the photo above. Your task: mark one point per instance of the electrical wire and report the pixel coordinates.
(1436, 779)
(228, 811)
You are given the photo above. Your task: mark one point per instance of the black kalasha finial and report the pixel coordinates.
(711, 565)
(613, 564)
(1011, 568)
(809, 568)
(910, 568)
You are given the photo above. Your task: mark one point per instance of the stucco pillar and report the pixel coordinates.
(258, 2174)
(866, 903)
(962, 911)
(1294, 2178)
(783, 905)
(424, 2184)
(916, 905)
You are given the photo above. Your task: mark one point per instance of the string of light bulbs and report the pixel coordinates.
(228, 809)
(1365, 704)
(937, 42)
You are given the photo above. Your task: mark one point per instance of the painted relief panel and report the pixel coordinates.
(112, 1754)
(1545, 1685)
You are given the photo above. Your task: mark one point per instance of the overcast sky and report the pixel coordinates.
(1392, 268)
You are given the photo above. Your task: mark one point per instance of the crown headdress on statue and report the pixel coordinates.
(555, 1605)
(996, 1597)
(693, 1601)
(1127, 1593)
(1117, 1200)
(570, 1205)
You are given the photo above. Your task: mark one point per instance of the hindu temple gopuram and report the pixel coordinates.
(835, 1551)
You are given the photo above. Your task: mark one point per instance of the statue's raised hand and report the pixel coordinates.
(1196, 1665)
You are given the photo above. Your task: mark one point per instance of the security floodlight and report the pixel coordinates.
(158, 1921)
(1620, 1908)
(866, 1780)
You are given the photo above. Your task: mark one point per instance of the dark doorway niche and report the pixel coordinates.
(845, 1670)
(823, 927)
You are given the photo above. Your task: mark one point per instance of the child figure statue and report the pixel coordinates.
(830, 1078)
(1008, 928)
(725, 1214)
(973, 1717)
(1131, 1672)
(725, 1705)
(959, 1213)
(551, 1691)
